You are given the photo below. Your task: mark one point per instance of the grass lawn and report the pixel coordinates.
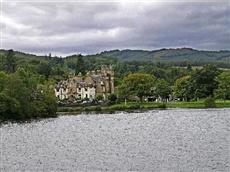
(129, 106)
(223, 104)
(193, 104)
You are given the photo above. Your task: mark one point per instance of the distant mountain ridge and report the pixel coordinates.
(178, 54)
(168, 55)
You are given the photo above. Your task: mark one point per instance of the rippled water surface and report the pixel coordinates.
(169, 140)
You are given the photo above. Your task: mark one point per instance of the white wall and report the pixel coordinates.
(61, 93)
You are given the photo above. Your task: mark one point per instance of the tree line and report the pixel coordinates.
(208, 81)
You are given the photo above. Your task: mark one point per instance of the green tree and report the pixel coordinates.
(24, 95)
(189, 67)
(159, 73)
(9, 107)
(10, 62)
(45, 69)
(204, 81)
(3, 79)
(2, 62)
(80, 65)
(181, 88)
(223, 90)
(137, 84)
(162, 89)
(45, 101)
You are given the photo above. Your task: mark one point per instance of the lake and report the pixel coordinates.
(158, 140)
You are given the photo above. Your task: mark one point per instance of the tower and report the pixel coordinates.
(108, 74)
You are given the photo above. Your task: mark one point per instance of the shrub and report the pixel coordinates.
(162, 106)
(134, 106)
(112, 98)
(120, 107)
(99, 97)
(117, 107)
(98, 108)
(86, 109)
(210, 102)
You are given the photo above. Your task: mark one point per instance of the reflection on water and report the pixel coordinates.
(169, 140)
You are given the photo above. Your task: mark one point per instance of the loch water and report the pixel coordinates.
(157, 140)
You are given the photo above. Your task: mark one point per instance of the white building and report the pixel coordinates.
(90, 86)
(86, 92)
(61, 92)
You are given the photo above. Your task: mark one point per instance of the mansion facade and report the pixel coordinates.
(90, 86)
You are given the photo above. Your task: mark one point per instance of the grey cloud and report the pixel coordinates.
(90, 27)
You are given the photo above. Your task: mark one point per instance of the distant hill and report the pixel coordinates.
(179, 54)
(162, 55)
(24, 57)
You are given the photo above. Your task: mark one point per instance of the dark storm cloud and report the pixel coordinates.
(90, 27)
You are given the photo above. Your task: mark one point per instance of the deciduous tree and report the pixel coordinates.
(204, 81)
(137, 84)
(181, 88)
(223, 90)
(162, 89)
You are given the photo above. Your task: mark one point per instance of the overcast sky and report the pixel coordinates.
(93, 26)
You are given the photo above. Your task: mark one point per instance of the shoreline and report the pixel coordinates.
(130, 107)
(130, 111)
(139, 107)
(75, 113)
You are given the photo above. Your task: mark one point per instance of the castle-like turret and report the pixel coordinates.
(108, 74)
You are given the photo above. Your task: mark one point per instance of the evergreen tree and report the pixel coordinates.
(10, 62)
(80, 65)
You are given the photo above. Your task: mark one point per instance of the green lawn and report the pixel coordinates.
(193, 104)
(129, 106)
(198, 104)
